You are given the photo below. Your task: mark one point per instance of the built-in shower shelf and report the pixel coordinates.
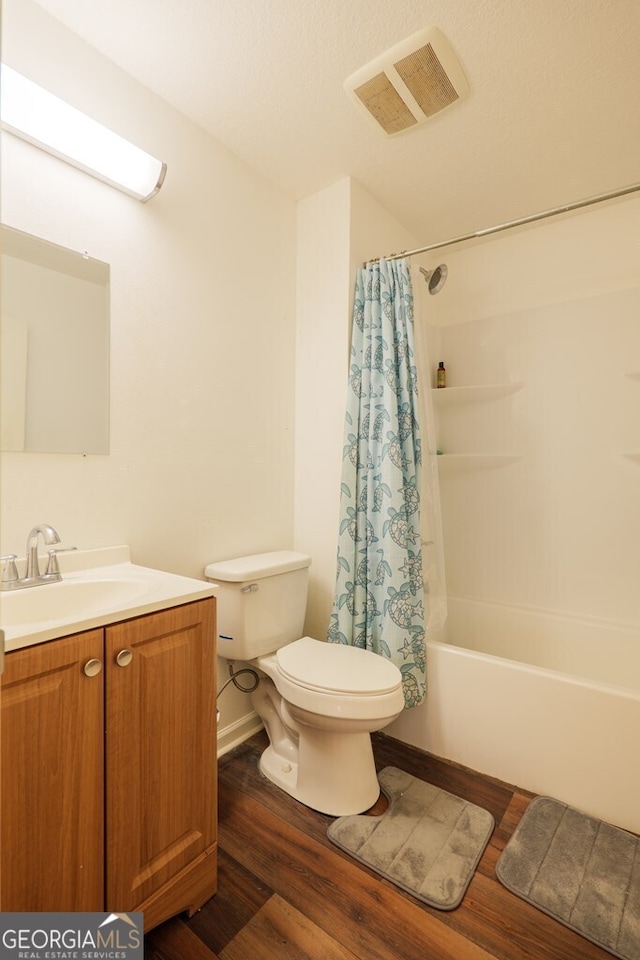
(474, 392)
(474, 461)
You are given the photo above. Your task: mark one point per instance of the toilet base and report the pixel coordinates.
(335, 772)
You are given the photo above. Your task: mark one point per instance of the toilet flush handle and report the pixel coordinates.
(250, 588)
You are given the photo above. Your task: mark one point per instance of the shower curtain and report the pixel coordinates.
(379, 592)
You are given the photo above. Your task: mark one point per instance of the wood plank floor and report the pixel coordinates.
(286, 893)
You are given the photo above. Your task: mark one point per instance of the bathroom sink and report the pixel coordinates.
(67, 599)
(98, 587)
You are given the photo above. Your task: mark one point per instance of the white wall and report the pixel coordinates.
(202, 330)
(338, 228)
(323, 291)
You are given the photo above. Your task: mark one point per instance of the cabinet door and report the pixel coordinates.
(52, 777)
(160, 750)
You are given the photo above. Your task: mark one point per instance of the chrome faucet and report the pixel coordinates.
(49, 536)
(9, 579)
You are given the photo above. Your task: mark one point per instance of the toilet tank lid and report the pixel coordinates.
(256, 566)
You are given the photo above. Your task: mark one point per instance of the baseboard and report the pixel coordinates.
(236, 733)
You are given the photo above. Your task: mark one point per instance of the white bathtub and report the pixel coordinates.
(548, 703)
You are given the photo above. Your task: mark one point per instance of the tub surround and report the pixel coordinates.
(536, 680)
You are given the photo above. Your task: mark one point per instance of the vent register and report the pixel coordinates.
(410, 83)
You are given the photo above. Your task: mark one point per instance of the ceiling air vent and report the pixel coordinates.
(410, 83)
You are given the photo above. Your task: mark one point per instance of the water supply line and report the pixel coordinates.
(233, 678)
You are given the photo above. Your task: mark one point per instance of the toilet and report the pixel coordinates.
(319, 702)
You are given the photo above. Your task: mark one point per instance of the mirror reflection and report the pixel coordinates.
(54, 349)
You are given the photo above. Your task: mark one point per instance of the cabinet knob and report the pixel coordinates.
(124, 658)
(92, 668)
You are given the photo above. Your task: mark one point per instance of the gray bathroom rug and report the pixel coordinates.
(428, 842)
(580, 870)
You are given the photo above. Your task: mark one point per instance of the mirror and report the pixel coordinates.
(54, 348)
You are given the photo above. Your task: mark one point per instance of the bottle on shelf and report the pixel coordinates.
(441, 376)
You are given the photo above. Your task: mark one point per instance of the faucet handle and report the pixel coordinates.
(53, 568)
(8, 568)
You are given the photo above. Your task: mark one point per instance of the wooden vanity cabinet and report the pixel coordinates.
(52, 777)
(108, 779)
(161, 784)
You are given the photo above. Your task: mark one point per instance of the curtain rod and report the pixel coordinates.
(623, 191)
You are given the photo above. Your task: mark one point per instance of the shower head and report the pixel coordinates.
(435, 278)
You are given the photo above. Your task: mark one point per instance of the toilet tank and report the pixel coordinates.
(261, 602)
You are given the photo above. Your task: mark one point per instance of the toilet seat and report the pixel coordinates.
(334, 668)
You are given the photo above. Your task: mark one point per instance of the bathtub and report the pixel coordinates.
(545, 702)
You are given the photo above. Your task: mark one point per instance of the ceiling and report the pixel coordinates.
(553, 114)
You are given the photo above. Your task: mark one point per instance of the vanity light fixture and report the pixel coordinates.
(37, 116)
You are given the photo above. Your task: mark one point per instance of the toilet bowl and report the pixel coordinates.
(332, 697)
(319, 701)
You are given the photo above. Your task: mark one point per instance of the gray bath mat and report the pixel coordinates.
(427, 842)
(581, 871)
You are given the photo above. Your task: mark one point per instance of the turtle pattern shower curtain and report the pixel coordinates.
(378, 600)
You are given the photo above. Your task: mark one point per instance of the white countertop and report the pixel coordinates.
(98, 587)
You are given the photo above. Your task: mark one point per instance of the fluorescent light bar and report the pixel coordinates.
(39, 117)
